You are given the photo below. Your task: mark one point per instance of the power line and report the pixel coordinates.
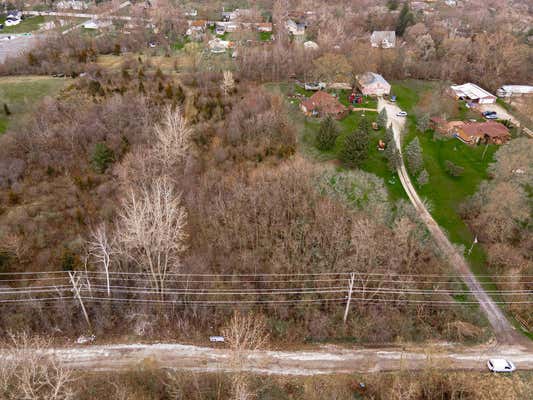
(263, 274)
(332, 289)
(265, 291)
(260, 301)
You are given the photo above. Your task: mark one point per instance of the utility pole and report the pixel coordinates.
(76, 291)
(350, 288)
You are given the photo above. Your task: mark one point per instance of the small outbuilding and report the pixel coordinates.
(514, 91)
(323, 104)
(372, 84)
(472, 93)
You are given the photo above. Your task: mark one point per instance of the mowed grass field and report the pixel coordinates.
(20, 93)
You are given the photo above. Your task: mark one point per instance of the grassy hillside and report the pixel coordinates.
(22, 92)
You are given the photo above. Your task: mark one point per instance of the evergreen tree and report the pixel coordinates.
(125, 75)
(413, 153)
(180, 94)
(327, 134)
(382, 118)
(394, 159)
(7, 111)
(405, 19)
(453, 169)
(159, 74)
(355, 149)
(102, 157)
(423, 178)
(391, 153)
(169, 92)
(389, 135)
(32, 59)
(116, 49)
(364, 125)
(392, 5)
(422, 123)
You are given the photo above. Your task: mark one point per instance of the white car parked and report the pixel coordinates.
(500, 365)
(401, 114)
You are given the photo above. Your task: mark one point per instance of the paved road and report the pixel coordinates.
(503, 330)
(315, 361)
(103, 15)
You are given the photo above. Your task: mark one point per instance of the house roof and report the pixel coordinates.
(199, 23)
(324, 102)
(379, 36)
(491, 129)
(518, 89)
(266, 25)
(471, 91)
(370, 78)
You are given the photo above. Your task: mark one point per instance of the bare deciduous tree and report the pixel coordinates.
(151, 230)
(14, 244)
(101, 248)
(245, 332)
(172, 138)
(228, 83)
(240, 388)
(28, 372)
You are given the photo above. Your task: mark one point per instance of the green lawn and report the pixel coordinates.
(447, 193)
(444, 192)
(29, 24)
(308, 127)
(368, 101)
(21, 93)
(180, 43)
(265, 36)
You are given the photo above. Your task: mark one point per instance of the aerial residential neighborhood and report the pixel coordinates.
(274, 199)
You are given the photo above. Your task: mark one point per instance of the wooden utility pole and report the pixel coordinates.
(350, 288)
(77, 294)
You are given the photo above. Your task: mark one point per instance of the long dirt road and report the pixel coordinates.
(315, 361)
(503, 329)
